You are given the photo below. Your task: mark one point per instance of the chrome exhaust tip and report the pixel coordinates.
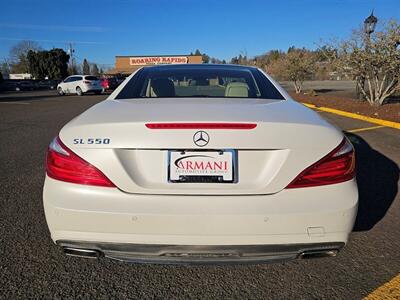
(87, 253)
(318, 253)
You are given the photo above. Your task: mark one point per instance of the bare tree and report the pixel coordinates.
(5, 66)
(19, 53)
(375, 59)
(297, 65)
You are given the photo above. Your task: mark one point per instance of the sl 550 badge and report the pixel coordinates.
(92, 141)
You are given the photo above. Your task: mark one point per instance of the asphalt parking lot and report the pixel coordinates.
(32, 267)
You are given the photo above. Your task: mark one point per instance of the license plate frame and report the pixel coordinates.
(204, 178)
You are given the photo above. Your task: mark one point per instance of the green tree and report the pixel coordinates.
(52, 64)
(58, 64)
(85, 67)
(204, 57)
(95, 70)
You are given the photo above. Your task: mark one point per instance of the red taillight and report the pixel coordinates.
(63, 164)
(337, 166)
(87, 82)
(104, 83)
(201, 125)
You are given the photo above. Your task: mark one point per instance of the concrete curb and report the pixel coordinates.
(355, 116)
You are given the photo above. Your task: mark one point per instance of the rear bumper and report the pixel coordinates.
(89, 88)
(182, 254)
(107, 216)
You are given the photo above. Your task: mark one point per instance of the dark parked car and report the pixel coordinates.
(109, 83)
(25, 86)
(47, 84)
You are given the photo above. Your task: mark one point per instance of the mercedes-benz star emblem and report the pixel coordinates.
(201, 138)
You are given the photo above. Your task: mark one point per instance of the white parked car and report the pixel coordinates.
(200, 164)
(79, 84)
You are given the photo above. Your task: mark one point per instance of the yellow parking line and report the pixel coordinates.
(355, 116)
(366, 128)
(390, 290)
(310, 105)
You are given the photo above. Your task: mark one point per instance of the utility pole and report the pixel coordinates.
(71, 52)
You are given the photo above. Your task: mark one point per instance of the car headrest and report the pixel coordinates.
(237, 89)
(162, 87)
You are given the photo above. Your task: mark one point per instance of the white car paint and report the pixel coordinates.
(146, 210)
(260, 158)
(79, 84)
(319, 214)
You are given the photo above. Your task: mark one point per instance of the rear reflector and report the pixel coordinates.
(201, 125)
(63, 164)
(338, 166)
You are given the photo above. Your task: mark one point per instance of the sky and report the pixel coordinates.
(100, 30)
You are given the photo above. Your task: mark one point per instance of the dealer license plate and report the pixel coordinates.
(201, 166)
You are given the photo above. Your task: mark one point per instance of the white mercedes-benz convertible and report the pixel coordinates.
(200, 164)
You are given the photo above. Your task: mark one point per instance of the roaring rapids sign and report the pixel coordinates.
(157, 60)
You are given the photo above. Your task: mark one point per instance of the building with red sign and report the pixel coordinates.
(126, 65)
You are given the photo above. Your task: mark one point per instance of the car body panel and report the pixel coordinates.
(146, 210)
(270, 155)
(77, 212)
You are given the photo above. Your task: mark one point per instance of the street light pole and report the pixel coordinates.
(369, 28)
(370, 24)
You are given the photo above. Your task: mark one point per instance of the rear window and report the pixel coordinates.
(91, 78)
(190, 82)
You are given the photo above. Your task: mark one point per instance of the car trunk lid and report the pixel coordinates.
(136, 156)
